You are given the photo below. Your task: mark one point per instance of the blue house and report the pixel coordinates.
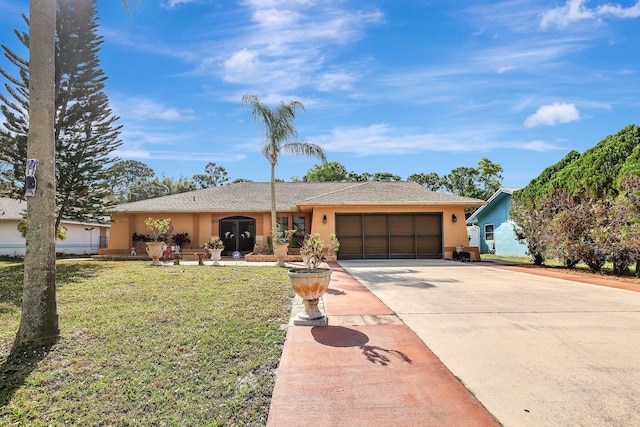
(494, 227)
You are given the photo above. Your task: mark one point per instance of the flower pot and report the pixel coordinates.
(154, 250)
(310, 285)
(280, 252)
(215, 255)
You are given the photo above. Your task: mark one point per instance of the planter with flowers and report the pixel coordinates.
(158, 229)
(281, 244)
(334, 247)
(311, 282)
(180, 240)
(214, 246)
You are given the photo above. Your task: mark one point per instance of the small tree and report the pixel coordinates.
(431, 181)
(325, 172)
(158, 227)
(531, 225)
(214, 176)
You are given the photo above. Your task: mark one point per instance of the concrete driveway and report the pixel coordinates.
(536, 351)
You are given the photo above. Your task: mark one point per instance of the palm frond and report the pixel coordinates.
(305, 148)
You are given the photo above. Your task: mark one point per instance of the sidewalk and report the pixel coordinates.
(366, 368)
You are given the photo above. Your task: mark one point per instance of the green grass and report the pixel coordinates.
(581, 266)
(143, 345)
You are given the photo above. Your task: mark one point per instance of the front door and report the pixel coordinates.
(238, 234)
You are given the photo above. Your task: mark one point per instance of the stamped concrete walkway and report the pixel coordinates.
(367, 368)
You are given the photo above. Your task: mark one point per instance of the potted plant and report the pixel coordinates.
(214, 246)
(158, 228)
(334, 246)
(311, 282)
(180, 239)
(281, 244)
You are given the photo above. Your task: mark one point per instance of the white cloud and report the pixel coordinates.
(577, 10)
(553, 114)
(242, 66)
(276, 19)
(618, 11)
(384, 139)
(539, 146)
(178, 155)
(139, 108)
(335, 81)
(289, 44)
(170, 4)
(377, 139)
(132, 153)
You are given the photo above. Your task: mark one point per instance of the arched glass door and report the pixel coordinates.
(238, 234)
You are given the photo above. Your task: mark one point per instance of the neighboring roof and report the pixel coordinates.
(505, 190)
(12, 209)
(256, 197)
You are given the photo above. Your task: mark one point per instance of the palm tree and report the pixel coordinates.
(39, 320)
(281, 137)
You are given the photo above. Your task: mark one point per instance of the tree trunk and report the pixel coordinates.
(39, 321)
(273, 197)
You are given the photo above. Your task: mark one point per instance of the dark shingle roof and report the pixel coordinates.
(256, 196)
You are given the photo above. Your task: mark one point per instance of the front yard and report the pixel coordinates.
(142, 345)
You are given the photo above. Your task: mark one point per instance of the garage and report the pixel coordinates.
(389, 235)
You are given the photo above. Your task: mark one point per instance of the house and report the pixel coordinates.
(372, 220)
(496, 234)
(83, 238)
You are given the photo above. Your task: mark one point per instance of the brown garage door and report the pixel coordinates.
(385, 235)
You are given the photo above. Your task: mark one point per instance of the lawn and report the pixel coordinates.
(607, 269)
(142, 345)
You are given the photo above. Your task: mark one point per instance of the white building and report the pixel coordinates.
(83, 238)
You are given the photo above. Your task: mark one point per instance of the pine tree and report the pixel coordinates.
(85, 131)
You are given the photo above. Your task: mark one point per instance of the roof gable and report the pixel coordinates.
(495, 199)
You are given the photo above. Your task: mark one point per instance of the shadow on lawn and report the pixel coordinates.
(16, 368)
(12, 278)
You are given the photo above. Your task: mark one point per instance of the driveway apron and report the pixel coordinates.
(534, 350)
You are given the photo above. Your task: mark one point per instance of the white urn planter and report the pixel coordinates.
(280, 251)
(154, 250)
(215, 255)
(310, 285)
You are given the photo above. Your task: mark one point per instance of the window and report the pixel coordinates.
(282, 223)
(298, 224)
(488, 232)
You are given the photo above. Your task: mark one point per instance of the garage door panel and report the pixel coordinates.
(376, 225)
(402, 225)
(351, 246)
(403, 245)
(374, 245)
(428, 224)
(429, 246)
(349, 225)
(349, 232)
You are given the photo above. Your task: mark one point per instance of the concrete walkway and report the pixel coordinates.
(367, 368)
(535, 350)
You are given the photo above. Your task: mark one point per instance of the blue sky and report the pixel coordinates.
(394, 86)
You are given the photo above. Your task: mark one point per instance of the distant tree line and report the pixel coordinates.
(132, 180)
(480, 182)
(586, 207)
